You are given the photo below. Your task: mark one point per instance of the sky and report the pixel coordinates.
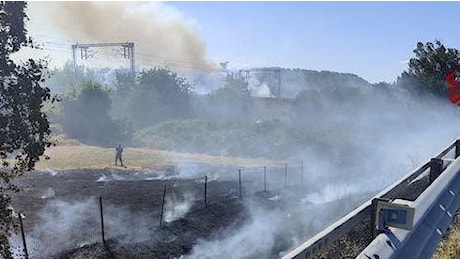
(371, 39)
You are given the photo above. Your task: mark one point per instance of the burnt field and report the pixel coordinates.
(62, 214)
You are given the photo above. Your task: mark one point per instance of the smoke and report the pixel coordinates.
(162, 34)
(253, 239)
(60, 227)
(362, 140)
(177, 206)
(271, 230)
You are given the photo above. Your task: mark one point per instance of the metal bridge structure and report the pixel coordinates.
(128, 51)
(434, 209)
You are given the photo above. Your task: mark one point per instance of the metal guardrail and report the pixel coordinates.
(344, 225)
(434, 212)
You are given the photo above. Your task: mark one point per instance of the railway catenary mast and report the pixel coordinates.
(128, 51)
(276, 73)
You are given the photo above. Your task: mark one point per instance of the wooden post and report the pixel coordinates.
(265, 178)
(239, 181)
(301, 172)
(102, 220)
(285, 175)
(162, 207)
(23, 236)
(205, 190)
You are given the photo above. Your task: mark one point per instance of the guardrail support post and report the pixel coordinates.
(436, 166)
(457, 149)
(374, 215)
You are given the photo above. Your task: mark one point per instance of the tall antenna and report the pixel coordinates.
(128, 51)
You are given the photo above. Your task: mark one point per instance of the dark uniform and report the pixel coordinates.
(119, 151)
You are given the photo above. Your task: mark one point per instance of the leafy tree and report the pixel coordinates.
(231, 102)
(61, 80)
(86, 117)
(24, 128)
(125, 82)
(160, 95)
(428, 70)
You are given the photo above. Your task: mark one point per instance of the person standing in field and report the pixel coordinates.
(118, 156)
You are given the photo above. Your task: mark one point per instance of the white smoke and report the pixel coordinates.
(177, 207)
(60, 227)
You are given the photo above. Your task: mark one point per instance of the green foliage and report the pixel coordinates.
(86, 117)
(273, 139)
(160, 95)
(232, 102)
(24, 128)
(428, 70)
(125, 82)
(61, 80)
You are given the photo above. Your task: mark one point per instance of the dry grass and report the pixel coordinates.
(69, 154)
(449, 248)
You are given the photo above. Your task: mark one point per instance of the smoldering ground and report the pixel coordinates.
(366, 144)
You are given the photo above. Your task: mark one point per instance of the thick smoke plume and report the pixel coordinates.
(162, 35)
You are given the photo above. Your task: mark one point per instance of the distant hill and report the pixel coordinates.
(295, 80)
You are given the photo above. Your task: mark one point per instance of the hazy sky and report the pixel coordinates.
(370, 39)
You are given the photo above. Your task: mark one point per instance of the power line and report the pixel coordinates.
(147, 59)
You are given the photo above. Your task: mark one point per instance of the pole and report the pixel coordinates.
(239, 181)
(205, 190)
(23, 236)
(162, 207)
(102, 220)
(133, 69)
(74, 57)
(285, 175)
(301, 171)
(265, 178)
(457, 149)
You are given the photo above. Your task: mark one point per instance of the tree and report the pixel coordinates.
(24, 128)
(86, 117)
(233, 101)
(61, 80)
(160, 95)
(428, 70)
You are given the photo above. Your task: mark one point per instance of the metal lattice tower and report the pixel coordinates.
(128, 51)
(276, 73)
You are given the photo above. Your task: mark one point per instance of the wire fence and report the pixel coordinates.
(70, 225)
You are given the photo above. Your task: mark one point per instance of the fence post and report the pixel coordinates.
(265, 178)
(102, 220)
(457, 148)
(23, 236)
(301, 172)
(205, 191)
(162, 207)
(239, 181)
(285, 175)
(436, 166)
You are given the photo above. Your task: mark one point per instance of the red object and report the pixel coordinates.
(453, 89)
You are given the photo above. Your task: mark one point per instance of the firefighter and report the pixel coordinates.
(118, 156)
